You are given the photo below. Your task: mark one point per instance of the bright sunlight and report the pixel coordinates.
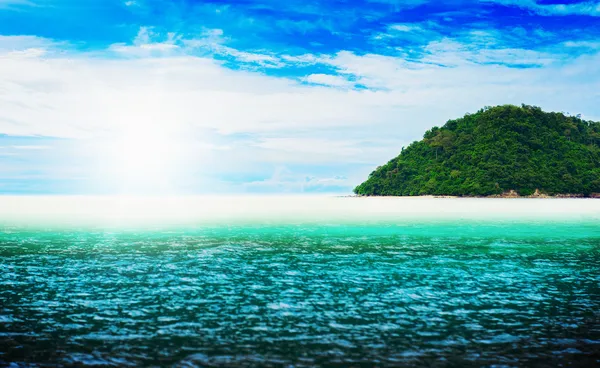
(145, 160)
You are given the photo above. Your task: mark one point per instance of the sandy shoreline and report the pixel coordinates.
(561, 196)
(197, 210)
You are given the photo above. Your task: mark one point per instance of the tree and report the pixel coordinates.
(495, 150)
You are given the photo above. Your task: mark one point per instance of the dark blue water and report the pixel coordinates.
(420, 295)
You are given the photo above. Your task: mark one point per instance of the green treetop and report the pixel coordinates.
(495, 150)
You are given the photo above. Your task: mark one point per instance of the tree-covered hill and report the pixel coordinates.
(493, 151)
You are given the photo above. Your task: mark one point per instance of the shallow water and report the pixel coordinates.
(464, 293)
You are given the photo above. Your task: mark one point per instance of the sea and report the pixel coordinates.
(299, 282)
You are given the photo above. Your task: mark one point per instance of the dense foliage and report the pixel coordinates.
(493, 151)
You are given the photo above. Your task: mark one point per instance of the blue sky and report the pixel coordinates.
(155, 96)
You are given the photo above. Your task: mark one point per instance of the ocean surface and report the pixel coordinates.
(299, 282)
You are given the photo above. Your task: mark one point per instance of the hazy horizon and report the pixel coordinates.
(193, 211)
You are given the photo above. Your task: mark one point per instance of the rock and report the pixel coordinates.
(510, 194)
(538, 194)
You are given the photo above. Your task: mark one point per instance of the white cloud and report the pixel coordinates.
(404, 27)
(452, 53)
(285, 180)
(144, 44)
(80, 96)
(583, 44)
(328, 80)
(150, 43)
(250, 57)
(47, 92)
(320, 147)
(302, 59)
(30, 147)
(23, 43)
(591, 8)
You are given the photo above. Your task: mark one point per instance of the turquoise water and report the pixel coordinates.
(414, 294)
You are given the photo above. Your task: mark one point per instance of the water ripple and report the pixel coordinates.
(283, 298)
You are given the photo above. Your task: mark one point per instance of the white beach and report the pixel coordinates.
(198, 210)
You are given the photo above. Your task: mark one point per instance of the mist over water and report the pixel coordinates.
(299, 281)
(188, 212)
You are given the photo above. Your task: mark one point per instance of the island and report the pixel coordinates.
(502, 151)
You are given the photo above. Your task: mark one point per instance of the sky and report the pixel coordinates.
(258, 97)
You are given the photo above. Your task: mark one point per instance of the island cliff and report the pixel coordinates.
(503, 149)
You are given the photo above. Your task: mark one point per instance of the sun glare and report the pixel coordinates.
(145, 160)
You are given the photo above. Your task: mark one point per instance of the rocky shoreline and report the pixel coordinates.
(509, 194)
(538, 194)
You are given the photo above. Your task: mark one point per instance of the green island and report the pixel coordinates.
(500, 151)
